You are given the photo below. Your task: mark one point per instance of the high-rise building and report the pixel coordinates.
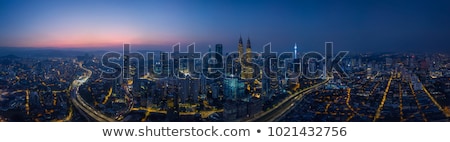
(209, 50)
(190, 88)
(240, 47)
(249, 48)
(234, 89)
(229, 62)
(247, 72)
(219, 49)
(218, 88)
(164, 63)
(208, 65)
(295, 51)
(241, 53)
(274, 84)
(236, 66)
(328, 57)
(126, 61)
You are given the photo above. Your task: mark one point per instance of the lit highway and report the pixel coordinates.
(400, 105)
(447, 113)
(383, 100)
(419, 107)
(81, 105)
(204, 114)
(284, 106)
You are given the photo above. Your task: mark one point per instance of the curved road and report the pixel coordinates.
(80, 104)
(284, 106)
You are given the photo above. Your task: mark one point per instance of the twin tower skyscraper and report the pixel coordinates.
(246, 73)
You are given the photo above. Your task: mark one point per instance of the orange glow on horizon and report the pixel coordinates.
(80, 43)
(86, 39)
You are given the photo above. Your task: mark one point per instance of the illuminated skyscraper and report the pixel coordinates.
(219, 82)
(249, 48)
(295, 51)
(164, 63)
(240, 47)
(126, 61)
(234, 89)
(208, 66)
(247, 72)
(235, 68)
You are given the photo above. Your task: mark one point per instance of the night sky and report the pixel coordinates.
(356, 26)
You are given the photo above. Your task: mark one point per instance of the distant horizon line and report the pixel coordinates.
(83, 46)
(118, 49)
(167, 47)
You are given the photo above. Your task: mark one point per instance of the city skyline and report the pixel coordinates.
(400, 87)
(224, 61)
(375, 26)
